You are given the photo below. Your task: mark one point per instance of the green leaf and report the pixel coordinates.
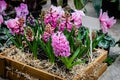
(104, 44)
(77, 62)
(112, 43)
(3, 37)
(12, 39)
(97, 5)
(119, 44)
(75, 54)
(79, 4)
(97, 40)
(113, 0)
(108, 37)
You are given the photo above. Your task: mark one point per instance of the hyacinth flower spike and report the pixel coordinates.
(106, 21)
(66, 22)
(53, 16)
(3, 6)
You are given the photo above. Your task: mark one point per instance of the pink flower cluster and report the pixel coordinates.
(22, 11)
(3, 5)
(77, 18)
(60, 45)
(53, 15)
(48, 32)
(66, 22)
(14, 26)
(46, 36)
(106, 22)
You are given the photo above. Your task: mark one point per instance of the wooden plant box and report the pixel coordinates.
(43, 75)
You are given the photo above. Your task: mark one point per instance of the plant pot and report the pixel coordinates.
(90, 70)
(111, 7)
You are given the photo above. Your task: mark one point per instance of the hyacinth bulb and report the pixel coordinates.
(60, 45)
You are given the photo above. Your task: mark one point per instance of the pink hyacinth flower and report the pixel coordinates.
(1, 19)
(106, 22)
(53, 15)
(66, 23)
(3, 6)
(60, 45)
(77, 18)
(48, 32)
(22, 11)
(57, 10)
(46, 37)
(14, 26)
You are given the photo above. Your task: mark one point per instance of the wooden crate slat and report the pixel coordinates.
(14, 76)
(98, 61)
(37, 73)
(102, 57)
(2, 67)
(101, 70)
(94, 64)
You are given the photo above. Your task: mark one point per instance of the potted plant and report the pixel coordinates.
(57, 41)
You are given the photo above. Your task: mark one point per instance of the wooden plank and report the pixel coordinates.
(2, 67)
(94, 64)
(13, 76)
(37, 73)
(102, 57)
(101, 70)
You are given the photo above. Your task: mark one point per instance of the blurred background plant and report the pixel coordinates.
(107, 41)
(80, 4)
(4, 39)
(111, 6)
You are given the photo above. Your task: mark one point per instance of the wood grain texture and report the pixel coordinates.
(2, 67)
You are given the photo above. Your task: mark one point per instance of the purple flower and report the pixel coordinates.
(1, 19)
(31, 20)
(3, 6)
(60, 45)
(14, 26)
(53, 15)
(22, 11)
(106, 22)
(77, 18)
(66, 22)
